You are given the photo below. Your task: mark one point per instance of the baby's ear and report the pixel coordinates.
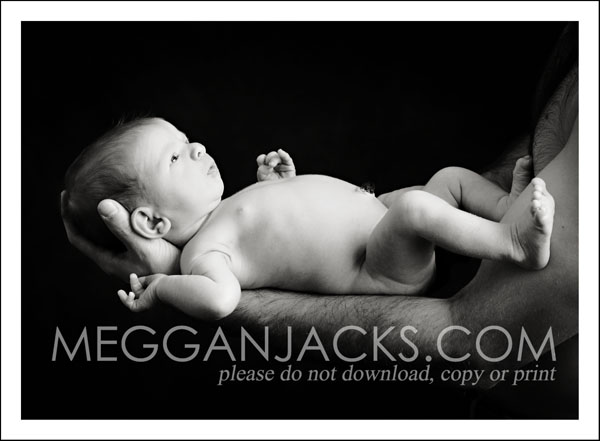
(145, 223)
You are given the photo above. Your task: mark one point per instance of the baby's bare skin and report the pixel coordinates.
(315, 233)
(305, 233)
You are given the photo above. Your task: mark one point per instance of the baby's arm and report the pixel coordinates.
(211, 292)
(275, 165)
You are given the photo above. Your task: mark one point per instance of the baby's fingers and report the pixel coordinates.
(127, 299)
(260, 160)
(136, 284)
(272, 159)
(264, 170)
(265, 173)
(133, 304)
(286, 159)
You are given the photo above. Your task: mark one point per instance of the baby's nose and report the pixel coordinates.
(198, 150)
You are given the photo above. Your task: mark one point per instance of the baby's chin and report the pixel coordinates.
(213, 170)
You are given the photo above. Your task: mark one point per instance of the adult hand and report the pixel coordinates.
(275, 165)
(142, 256)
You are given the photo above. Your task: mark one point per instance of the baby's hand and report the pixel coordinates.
(143, 295)
(275, 165)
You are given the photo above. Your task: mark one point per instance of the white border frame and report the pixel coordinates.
(15, 12)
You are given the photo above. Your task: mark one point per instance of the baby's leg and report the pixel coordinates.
(465, 189)
(401, 245)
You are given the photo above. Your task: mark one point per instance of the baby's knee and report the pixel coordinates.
(411, 207)
(448, 175)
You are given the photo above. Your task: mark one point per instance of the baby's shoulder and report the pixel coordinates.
(201, 247)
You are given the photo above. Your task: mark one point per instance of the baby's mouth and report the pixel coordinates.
(212, 169)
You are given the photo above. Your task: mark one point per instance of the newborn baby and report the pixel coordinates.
(308, 233)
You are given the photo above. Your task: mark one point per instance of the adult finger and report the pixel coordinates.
(63, 203)
(72, 234)
(94, 252)
(116, 218)
(107, 260)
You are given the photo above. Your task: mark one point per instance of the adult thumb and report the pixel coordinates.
(116, 218)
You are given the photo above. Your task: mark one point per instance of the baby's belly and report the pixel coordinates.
(308, 233)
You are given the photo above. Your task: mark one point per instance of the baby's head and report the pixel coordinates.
(168, 185)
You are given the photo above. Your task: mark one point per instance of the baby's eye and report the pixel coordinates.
(174, 157)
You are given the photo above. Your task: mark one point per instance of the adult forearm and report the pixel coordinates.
(529, 305)
(381, 327)
(501, 295)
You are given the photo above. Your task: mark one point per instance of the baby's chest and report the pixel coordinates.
(303, 216)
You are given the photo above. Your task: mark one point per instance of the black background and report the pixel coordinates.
(387, 103)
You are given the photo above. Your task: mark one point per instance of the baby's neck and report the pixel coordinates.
(182, 236)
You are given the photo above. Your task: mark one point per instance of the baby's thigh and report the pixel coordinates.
(396, 257)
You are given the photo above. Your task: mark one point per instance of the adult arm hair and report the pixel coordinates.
(501, 294)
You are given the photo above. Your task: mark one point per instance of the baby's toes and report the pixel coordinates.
(523, 165)
(541, 193)
(521, 176)
(535, 205)
(538, 185)
(542, 210)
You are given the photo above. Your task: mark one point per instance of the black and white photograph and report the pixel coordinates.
(300, 220)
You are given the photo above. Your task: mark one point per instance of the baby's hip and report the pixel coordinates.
(373, 279)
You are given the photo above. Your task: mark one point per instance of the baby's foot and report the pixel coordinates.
(531, 235)
(522, 174)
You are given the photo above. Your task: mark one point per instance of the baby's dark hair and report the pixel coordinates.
(100, 172)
